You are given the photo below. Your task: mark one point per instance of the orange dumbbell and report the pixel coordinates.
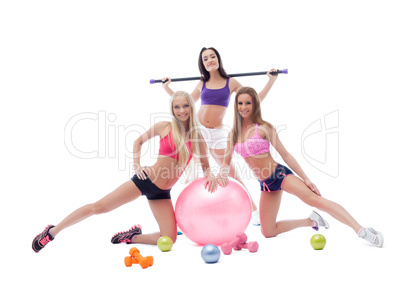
(129, 261)
(144, 262)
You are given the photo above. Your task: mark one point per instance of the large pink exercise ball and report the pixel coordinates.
(213, 218)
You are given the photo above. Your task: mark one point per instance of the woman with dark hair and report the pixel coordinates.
(251, 137)
(215, 89)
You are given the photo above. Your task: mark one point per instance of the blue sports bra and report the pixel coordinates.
(219, 97)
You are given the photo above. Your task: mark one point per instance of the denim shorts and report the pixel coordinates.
(149, 189)
(274, 182)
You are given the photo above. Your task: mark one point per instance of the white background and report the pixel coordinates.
(65, 59)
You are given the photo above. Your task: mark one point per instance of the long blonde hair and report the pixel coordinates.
(178, 129)
(256, 116)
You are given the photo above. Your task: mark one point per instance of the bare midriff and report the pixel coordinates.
(211, 116)
(165, 172)
(262, 165)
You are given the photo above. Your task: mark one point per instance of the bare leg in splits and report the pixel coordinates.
(127, 192)
(270, 203)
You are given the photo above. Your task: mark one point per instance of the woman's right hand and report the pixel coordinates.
(141, 172)
(166, 84)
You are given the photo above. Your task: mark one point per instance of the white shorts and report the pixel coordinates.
(215, 138)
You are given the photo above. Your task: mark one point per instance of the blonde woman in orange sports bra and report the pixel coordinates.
(179, 139)
(214, 89)
(251, 137)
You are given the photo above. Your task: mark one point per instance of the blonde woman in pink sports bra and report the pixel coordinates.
(214, 89)
(179, 140)
(251, 137)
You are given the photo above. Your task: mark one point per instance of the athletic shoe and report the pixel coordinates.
(256, 218)
(372, 236)
(42, 239)
(128, 236)
(319, 221)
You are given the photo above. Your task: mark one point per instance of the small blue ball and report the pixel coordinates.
(210, 253)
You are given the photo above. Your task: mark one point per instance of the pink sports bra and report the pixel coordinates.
(253, 146)
(168, 148)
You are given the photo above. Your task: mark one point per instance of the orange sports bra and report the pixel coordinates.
(168, 148)
(253, 146)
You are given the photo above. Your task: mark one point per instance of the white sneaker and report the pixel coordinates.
(319, 221)
(372, 236)
(256, 218)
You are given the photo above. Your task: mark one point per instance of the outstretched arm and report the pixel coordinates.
(289, 159)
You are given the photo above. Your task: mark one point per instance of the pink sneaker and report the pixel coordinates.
(42, 239)
(126, 237)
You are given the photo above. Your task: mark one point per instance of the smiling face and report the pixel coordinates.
(245, 105)
(181, 108)
(210, 60)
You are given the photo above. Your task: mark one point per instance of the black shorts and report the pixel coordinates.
(275, 180)
(150, 190)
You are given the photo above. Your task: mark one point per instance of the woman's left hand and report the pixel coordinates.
(222, 178)
(270, 76)
(312, 186)
(210, 183)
